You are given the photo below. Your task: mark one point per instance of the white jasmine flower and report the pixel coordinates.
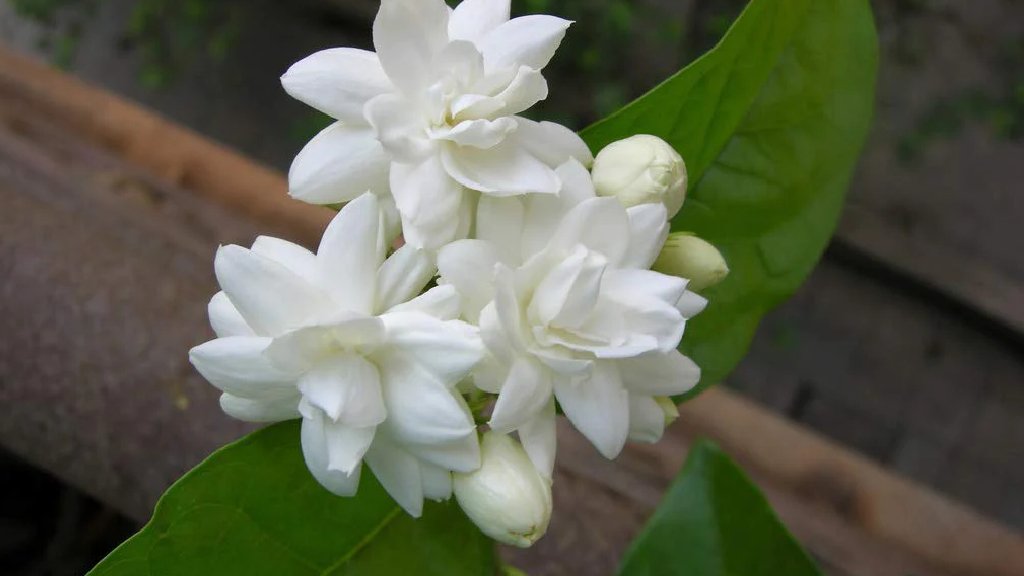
(433, 113)
(507, 498)
(341, 339)
(641, 169)
(573, 312)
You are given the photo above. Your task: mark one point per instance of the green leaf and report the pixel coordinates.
(770, 123)
(714, 522)
(253, 508)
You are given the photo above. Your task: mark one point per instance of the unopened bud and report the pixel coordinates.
(668, 408)
(687, 256)
(506, 497)
(641, 169)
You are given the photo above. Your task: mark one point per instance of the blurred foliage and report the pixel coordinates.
(1000, 107)
(170, 35)
(173, 35)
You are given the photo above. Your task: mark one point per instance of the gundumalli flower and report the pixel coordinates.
(573, 313)
(432, 114)
(342, 339)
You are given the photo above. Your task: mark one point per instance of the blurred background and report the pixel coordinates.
(905, 344)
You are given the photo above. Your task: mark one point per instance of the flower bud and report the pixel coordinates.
(506, 497)
(641, 169)
(687, 256)
(669, 408)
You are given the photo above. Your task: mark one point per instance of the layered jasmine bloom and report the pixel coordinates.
(432, 114)
(343, 339)
(572, 313)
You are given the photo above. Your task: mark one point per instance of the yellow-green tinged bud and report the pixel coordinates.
(669, 408)
(687, 256)
(507, 498)
(641, 169)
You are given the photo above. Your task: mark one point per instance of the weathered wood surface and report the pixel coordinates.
(105, 273)
(168, 151)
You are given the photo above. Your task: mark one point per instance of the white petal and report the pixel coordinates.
(490, 374)
(472, 19)
(459, 455)
(648, 229)
(544, 212)
(598, 407)
(646, 419)
(538, 439)
(568, 293)
(606, 345)
(391, 220)
(563, 361)
(640, 326)
(600, 224)
(441, 302)
(640, 311)
(399, 474)
(468, 266)
(524, 41)
(237, 365)
(407, 35)
(337, 81)
(478, 133)
(448, 349)
(225, 319)
(437, 482)
(690, 304)
(553, 144)
(261, 411)
(270, 297)
(296, 258)
(577, 184)
(499, 221)
(504, 170)
(399, 127)
(459, 61)
(526, 391)
(523, 89)
(347, 388)
(421, 409)
(350, 253)
(346, 445)
(659, 374)
(430, 202)
(299, 350)
(338, 164)
(316, 453)
(629, 285)
(402, 277)
(526, 89)
(508, 314)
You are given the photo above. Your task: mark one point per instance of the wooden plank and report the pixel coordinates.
(941, 266)
(171, 152)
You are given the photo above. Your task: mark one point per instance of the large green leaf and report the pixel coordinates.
(770, 123)
(252, 508)
(714, 522)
